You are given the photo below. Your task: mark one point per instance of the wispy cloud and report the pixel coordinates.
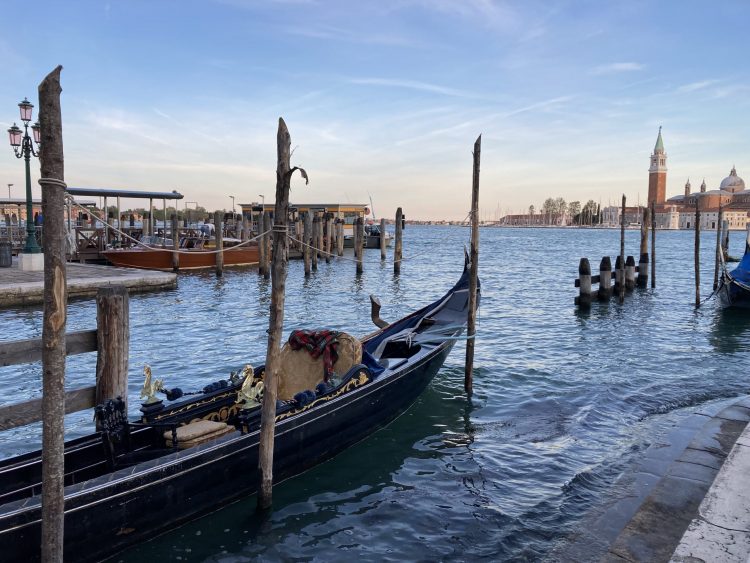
(613, 68)
(417, 85)
(693, 86)
(330, 33)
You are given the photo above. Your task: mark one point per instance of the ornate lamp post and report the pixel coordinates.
(24, 148)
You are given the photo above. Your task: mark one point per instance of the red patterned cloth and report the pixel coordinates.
(317, 343)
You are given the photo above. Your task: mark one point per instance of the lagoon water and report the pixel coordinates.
(565, 402)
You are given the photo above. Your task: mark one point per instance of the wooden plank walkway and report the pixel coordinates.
(27, 288)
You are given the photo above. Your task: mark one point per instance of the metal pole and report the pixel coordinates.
(31, 246)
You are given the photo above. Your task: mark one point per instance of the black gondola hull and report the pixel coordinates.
(108, 514)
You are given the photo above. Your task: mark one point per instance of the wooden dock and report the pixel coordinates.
(27, 288)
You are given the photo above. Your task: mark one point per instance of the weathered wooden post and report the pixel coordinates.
(621, 269)
(355, 235)
(306, 229)
(334, 235)
(55, 317)
(267, 241)
(175, 244)
(113, 343)
(276, 319)
(653, 245)
(605, 279)
(340, 239)
(382, 238)
(262, 246)
(584, 282)
(315, 240)
(397, 248)
(619, 275)
(642, 280)
(360, 242)
(328, 240)
(697, 254)
(219, 243)
(717, 258)
(473, 271)
(245, 229)
(629, 273)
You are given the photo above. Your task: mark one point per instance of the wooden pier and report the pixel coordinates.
(83, 280)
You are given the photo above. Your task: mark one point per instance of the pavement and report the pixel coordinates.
(687, 501)
(27, 288)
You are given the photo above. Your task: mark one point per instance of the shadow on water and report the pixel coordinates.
(730, 329)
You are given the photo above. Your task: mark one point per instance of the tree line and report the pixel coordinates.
(556, 211)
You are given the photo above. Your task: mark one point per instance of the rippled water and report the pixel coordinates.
(564, 401)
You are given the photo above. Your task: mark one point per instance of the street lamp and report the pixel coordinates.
(263, 201)
(9, 187)
(231, 196)
(24, 148)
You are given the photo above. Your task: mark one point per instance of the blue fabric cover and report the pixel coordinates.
(742, 272)
(372, 364)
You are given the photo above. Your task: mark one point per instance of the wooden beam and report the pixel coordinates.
(30, 351)
(28, 412)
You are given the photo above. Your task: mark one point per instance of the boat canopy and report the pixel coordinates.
(113, 192)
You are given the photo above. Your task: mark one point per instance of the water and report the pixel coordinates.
(564, 403)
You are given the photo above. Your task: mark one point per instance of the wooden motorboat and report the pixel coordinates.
(194, 254)
(132, 480)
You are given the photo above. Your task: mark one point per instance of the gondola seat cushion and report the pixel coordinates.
(198, 432)
(299, 371)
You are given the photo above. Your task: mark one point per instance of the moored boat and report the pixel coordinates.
(190, 257)
(734, 287)
(133, 480)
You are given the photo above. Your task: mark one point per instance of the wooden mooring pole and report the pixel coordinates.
(584, 277)
(113, 343)
(306, 228)
(328, 240)
(717, 258)
(397, 248)
(276, 321)
(725, 239)
(218, 233)
(605, 279)
(697, 253)
(473, 272)
(315, 241)
(382, 238)
(621, 268)
(653, 245)
(629, 273)
(55, 317)
(360, 242)
(175, 245)
(642, 280)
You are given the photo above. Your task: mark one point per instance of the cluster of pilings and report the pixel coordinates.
(626, 275)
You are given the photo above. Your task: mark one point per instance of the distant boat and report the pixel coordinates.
(734, 286)
(193, 255)
(372, 236)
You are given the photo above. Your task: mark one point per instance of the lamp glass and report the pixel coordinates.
(37, 133)
(26, 108)
(15, 136)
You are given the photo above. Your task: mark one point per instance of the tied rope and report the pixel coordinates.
(53, 182)
(149, 247)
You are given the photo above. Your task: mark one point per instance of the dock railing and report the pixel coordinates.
(110, 340)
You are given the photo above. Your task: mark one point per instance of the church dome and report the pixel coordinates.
(732, 183)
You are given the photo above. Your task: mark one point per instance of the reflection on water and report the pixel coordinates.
(564, 400)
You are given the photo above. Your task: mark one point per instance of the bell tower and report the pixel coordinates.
(657, 173)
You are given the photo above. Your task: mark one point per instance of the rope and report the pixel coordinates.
(323, 252)
(156, 248)
(53, 182)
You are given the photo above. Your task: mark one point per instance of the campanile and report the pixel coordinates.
(657, 173)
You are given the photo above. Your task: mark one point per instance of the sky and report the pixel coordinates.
(385, 98)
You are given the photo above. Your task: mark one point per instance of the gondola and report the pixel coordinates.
(132, 480)
(734, 287)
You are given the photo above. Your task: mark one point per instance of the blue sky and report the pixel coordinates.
(387, 97)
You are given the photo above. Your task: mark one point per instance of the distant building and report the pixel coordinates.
(678, 212)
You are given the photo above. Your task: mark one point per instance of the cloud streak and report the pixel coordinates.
(614, 68)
